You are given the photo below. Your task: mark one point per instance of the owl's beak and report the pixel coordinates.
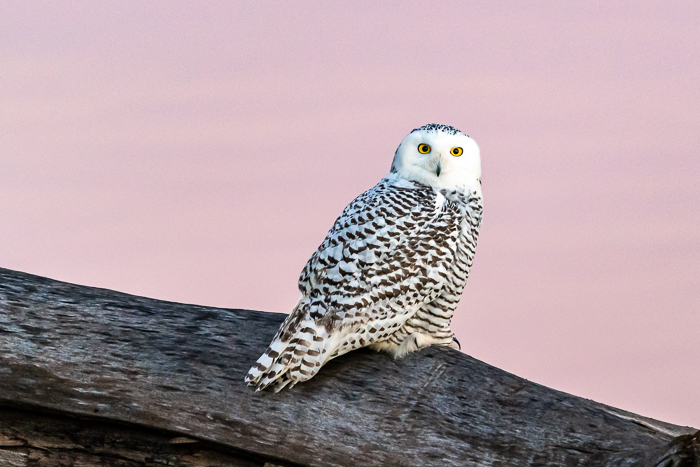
(434, 164)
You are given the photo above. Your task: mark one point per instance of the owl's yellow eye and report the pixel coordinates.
(423, 148)
(456, 152)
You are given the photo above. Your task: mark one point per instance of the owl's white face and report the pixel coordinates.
(440, 156)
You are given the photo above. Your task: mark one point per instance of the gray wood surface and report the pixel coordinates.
(30, 438)
(178, 369)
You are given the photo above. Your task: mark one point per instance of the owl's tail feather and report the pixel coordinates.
(288, 361)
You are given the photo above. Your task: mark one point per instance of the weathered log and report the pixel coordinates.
(95, 377)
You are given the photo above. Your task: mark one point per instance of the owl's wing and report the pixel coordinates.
(389, 252)
(388, 238)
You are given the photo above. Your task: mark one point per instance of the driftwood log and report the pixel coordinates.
(95, 377)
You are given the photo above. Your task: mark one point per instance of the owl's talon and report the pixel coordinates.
(456, 341)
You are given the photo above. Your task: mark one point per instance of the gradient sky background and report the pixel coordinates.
(199, 152)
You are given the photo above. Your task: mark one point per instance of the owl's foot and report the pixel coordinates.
(412, 343)
(455, 343)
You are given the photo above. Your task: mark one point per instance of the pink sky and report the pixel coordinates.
(199, 152)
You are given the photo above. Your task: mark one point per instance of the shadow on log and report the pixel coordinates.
(96, 377)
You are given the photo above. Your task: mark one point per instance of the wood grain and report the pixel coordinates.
(104, 357)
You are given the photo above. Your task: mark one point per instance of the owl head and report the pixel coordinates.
(440, 156)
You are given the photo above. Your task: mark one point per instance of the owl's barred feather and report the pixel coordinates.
(388, 275)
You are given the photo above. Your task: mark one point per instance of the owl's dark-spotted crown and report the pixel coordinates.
(439, 127)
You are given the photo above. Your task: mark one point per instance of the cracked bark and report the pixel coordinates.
(96, 377)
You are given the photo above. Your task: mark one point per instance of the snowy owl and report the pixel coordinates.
(392, 268)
